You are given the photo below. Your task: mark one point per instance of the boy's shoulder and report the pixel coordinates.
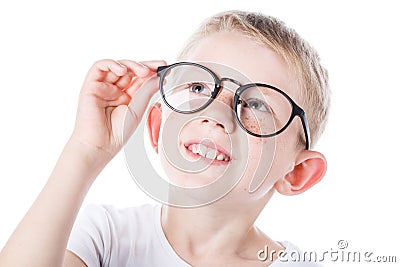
(112, 236)
(109, 218)
(111, 211)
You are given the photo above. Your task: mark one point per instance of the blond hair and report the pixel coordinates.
(301, 57)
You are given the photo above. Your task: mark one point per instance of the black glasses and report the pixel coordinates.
(261, 110)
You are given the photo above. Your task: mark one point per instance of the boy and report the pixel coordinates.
(266, 111)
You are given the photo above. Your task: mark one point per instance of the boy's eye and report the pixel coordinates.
(256, 104)
(198, 88)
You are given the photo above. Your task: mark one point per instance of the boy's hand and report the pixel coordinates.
(110, 86)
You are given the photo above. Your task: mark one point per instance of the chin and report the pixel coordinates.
(189, 180)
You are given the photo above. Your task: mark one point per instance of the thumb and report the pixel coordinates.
(141, 100)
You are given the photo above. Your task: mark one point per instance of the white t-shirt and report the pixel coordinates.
(106, 236)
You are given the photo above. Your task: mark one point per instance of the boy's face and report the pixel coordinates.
(255, 163)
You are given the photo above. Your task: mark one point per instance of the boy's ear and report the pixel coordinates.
(310, 167)
(154, 124)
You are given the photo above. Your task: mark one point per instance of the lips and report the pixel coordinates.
(207, 150)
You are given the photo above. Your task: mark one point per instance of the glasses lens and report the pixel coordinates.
(188, 87)
(263, 110)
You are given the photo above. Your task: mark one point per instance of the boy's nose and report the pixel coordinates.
(215, 123)
(221, 112)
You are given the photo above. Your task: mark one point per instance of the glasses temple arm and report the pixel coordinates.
(306, 129)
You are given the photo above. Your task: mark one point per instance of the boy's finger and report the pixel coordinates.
(138, 69)
(105, 92)
(141, 99)
(99, 69)
(110, 77)
(137, 83)
(124, 82)
(154, 64)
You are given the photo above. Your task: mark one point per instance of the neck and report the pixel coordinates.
(216, 229)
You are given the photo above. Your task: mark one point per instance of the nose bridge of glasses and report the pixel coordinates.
(226, 79)
(226, 90)
(224, 84)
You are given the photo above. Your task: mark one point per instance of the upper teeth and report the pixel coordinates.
(207, 152)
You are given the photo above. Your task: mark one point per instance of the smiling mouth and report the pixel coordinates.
(208, 152)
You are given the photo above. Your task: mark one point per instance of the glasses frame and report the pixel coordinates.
(296, 110)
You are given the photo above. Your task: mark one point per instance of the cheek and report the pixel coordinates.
(261, 148)
(289, 140)
(268, 161)
(261, 155)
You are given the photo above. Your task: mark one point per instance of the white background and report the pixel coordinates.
(47, 47)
